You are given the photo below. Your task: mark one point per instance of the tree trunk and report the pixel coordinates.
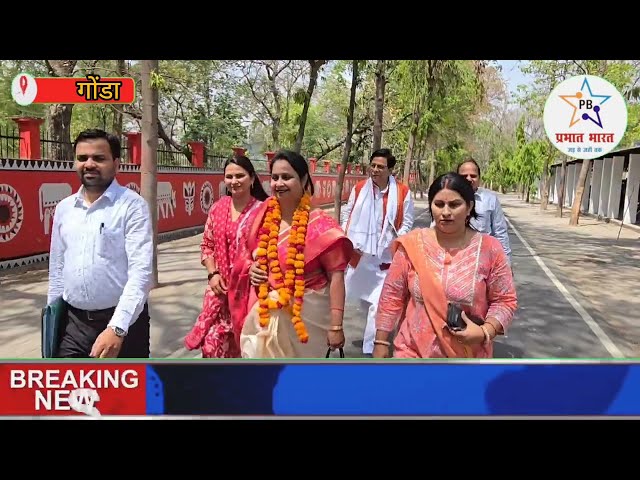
(528, 194)
(412, 143)
(59, 115)
(544, 184)
(422, 179)
(313, 79)
(117, 114)
(381, 82)
(148, 169)
(432, 167)
(577, 202)
(59, 131)
(275, 134)
(424, 145)
(563, 174)
(347, 144)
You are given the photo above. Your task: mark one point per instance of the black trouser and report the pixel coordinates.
(83, 328)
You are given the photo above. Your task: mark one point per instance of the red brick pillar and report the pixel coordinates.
(269, 156)
(327, 166)
(239, 151)
(313, 164)
(134, 148)
(197, 154)
(29, 129)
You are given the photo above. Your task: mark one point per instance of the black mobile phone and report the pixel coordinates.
(455, 321)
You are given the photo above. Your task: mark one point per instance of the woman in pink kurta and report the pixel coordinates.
(450, 263)
(223, 250)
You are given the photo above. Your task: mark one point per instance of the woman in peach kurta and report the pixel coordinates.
(435, 266)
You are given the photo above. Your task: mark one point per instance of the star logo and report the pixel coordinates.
(582, 100)
(585, 117)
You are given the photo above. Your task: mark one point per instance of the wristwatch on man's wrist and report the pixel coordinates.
(119, 331)
(212, 274)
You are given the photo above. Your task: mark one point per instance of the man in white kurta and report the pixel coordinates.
(379, 210)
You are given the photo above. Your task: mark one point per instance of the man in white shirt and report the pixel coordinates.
(379, 210)
(101, 258)
(491, 218)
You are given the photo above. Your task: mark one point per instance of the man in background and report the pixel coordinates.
(379, 210)
(491, 218)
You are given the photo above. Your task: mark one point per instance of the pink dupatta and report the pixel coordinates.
(235, 273)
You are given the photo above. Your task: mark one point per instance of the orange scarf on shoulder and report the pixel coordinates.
(433, 295)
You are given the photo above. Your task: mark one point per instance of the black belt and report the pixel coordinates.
(104, 314)
(385, 266)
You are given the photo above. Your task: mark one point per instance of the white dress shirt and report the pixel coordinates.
(102, 253)
(491, 218)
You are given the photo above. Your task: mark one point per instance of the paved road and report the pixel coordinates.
(546, 325)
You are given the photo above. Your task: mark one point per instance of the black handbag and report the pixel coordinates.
(455, 321)
(341, 353)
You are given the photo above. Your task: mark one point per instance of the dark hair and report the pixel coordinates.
(469, 160)
(386, 153)
(298, 163)
(457, 183)
(94, 133)
(256, 187)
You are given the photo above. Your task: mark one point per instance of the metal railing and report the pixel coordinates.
(167, 156)
(55, 149)
(9, 142)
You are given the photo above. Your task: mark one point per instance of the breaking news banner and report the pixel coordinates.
(228, 388)
(26, 89)
(73, 389)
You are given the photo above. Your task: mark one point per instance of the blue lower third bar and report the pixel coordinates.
(394, 389)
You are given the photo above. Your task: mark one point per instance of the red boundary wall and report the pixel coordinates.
(30, 190)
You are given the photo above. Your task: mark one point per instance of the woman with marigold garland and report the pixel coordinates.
(300, 256)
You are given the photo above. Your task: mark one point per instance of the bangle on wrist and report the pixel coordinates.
(335, 328)
(382, 342)
(213, 274)
(495, 330)
(487, 336)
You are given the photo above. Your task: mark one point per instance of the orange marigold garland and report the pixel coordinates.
(293, 284)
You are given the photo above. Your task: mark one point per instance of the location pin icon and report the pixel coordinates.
(23, 84)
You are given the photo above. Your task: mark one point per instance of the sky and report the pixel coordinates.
(512, 74)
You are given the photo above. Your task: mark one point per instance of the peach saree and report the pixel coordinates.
(327, 249)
